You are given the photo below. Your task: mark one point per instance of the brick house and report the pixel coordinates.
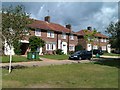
(101, 41)
(55, 35)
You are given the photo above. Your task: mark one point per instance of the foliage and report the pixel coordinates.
(59, 52)
(71, 52)
(16, 45)
(90, 37)
(78, 47)
(14, 23)
(114, 34)
(35, 42)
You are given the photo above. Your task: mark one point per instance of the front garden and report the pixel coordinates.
(79, 75)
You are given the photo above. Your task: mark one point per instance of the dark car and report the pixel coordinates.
(79, 55)
(97, 51)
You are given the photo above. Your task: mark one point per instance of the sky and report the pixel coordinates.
(80, 15)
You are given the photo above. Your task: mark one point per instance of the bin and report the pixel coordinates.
(32, 55)
(97, 55)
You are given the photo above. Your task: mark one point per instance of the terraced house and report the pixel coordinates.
(100, 41)
(57, 36)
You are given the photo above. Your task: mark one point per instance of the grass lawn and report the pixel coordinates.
(79, 75)
(16, 58)
(57, 57)
(111, 54)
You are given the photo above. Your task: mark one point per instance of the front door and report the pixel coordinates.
(64, 47)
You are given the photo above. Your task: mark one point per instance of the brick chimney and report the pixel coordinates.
(68, 26)
(47, 18)
(89, 28)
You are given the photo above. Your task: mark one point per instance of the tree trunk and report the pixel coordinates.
(10, 60)
(92, 52)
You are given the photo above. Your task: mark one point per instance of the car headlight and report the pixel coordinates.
(75, 56)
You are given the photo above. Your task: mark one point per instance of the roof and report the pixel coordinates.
(48, 26)
(82, 33)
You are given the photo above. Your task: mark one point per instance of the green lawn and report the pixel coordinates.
(57, 57)
(16, 58)
(72, 76)
(111, 54)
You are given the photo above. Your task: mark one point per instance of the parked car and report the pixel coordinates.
(97, 51)
(82, 54)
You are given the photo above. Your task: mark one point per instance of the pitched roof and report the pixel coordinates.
(82, 33)
(48, 26)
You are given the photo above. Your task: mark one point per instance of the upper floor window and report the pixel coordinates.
(105, 40)
(26, 32)
(71, 37)
(50, 34)
(37, 32)
(101, 40)
(63, 36)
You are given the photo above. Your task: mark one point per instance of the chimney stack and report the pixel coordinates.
(68, 26)
(89, 28)
(47, 18)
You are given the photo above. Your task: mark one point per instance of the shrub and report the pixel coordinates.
(78, 47)
(36, 42)
(59, 52)
(71, 52)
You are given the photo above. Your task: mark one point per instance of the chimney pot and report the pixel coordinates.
(68, 26)
(47, 18)
(89, 28)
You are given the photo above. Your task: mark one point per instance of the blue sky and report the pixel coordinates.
(79, 14)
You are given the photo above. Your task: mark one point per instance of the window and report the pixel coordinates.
(50, 46)
(103, 47)
(105, 40)
(95, 47)
(63, 36)
(50, 34)
(26, 32)
(101, 40)
(71, 37)
(71, 48)
(37, 32)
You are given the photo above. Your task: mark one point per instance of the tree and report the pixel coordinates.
(90, 37)
(113, 30)
(14, 24)
(35, 42)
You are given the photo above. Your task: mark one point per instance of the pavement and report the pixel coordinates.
(47, 62)
(44, 62)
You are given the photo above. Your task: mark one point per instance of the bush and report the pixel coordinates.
(59, 52)
(78, 47)
(71, 52)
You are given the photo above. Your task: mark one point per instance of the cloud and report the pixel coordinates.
(78, 14)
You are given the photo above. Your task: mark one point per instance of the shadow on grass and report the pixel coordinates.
(113, 62)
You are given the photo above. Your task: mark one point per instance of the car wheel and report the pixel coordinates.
(80, 58)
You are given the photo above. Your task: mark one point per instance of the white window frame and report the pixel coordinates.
(50, 47)
(50, 34)
(63, 35)
(37, 32)
(71, 37)
(102, 40)
(72, 49)
(26, 32)
(104, 48)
